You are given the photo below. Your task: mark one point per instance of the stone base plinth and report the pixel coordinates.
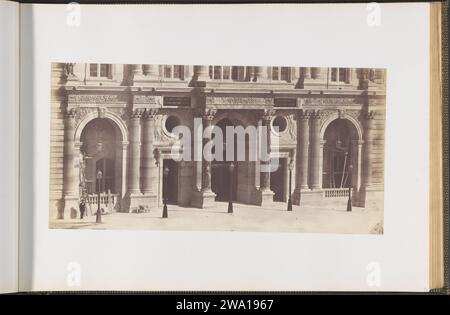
(139, 203)
(203, 199)
(371, 198)
(264, 197)
(71, 207)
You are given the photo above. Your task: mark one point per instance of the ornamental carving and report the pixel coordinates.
(147, 100)
(292, 127)
(94, 99)
(252, 101)
(328, 101)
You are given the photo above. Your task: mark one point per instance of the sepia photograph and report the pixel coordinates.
(217, 148)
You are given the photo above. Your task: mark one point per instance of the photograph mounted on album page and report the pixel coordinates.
(248, 148)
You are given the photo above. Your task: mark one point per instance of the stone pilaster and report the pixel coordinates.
(150, 71)
(205, 197)
(302, 155)
(148, 167)
(201, 73)
(134, 162)
(265, 195)
(315, 151)
(260, 74)
(368, 149)
(71, 178)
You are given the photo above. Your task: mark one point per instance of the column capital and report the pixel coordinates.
(71, 113)
(316, 114)
(150, 113)
(303, 114)
(370, 115)
(209, 114)
(268, 114)
(137, 114)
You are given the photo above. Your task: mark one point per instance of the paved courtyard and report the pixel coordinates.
(249, 218)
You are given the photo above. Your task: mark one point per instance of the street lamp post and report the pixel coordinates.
(98, 218)
(349, 201)
(230, 197)
(289, 204)
(165, 213)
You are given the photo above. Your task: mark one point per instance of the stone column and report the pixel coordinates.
(368, 149)
(148, 160)
(306, 72)
(265, 176)
(70, 180)
(150, 70)
(201, 72)
(265, 195)
(315, 151)
(261, 74)
(205, 197)
(207, 165)
(137, 201)
(135, 153)
(302, 155)
(316, 73)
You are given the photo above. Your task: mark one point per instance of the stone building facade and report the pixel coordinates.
(119, 119)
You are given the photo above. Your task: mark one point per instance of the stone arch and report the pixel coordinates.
(329, 119)
(116, 120)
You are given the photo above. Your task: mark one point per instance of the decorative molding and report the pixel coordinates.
(150, 113)
(329, 101)
(94, 99)
(370, 115)
(209, 114)
(268, 114)
(148, 99)
(234, 100)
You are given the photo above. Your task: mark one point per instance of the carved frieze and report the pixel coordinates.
(147, 100)
(329, 101)
(94, 99)
(238, 101)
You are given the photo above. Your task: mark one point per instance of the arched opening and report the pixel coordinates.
(340, 159)
(101, 151)
(222, 179)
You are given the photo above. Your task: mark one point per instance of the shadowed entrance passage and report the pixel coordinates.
(172, 181)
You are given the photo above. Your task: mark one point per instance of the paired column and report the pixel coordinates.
(265, 165)
(201, 72)
(260, 74)
(315, 148)
(135, 154)
(70, 183)
(150, 70)
(368, 149)
(148, 161)
(207, 165)
(303, 150)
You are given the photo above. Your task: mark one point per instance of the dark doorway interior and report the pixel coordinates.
(172, 181)
(106, 166)
(221, 176)
(278, 182)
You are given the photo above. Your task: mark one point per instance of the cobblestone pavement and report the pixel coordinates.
(245, 218)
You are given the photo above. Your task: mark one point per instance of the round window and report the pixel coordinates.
(279, 124)
(171, 123)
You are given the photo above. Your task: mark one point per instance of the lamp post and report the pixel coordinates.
(349, 201)
(230, 197)
(289, 204)
(165, 213)
(98, 218)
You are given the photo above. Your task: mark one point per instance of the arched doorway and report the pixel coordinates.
(101, 149)
(340, 155)
(221, 176)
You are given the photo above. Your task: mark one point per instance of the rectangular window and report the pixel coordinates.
(178, 72)
(285, 74)
(275, 73)
(226, 73)
(168, 72)
(93, 70)
(100, 70)
(217, 72)
(339, 75)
